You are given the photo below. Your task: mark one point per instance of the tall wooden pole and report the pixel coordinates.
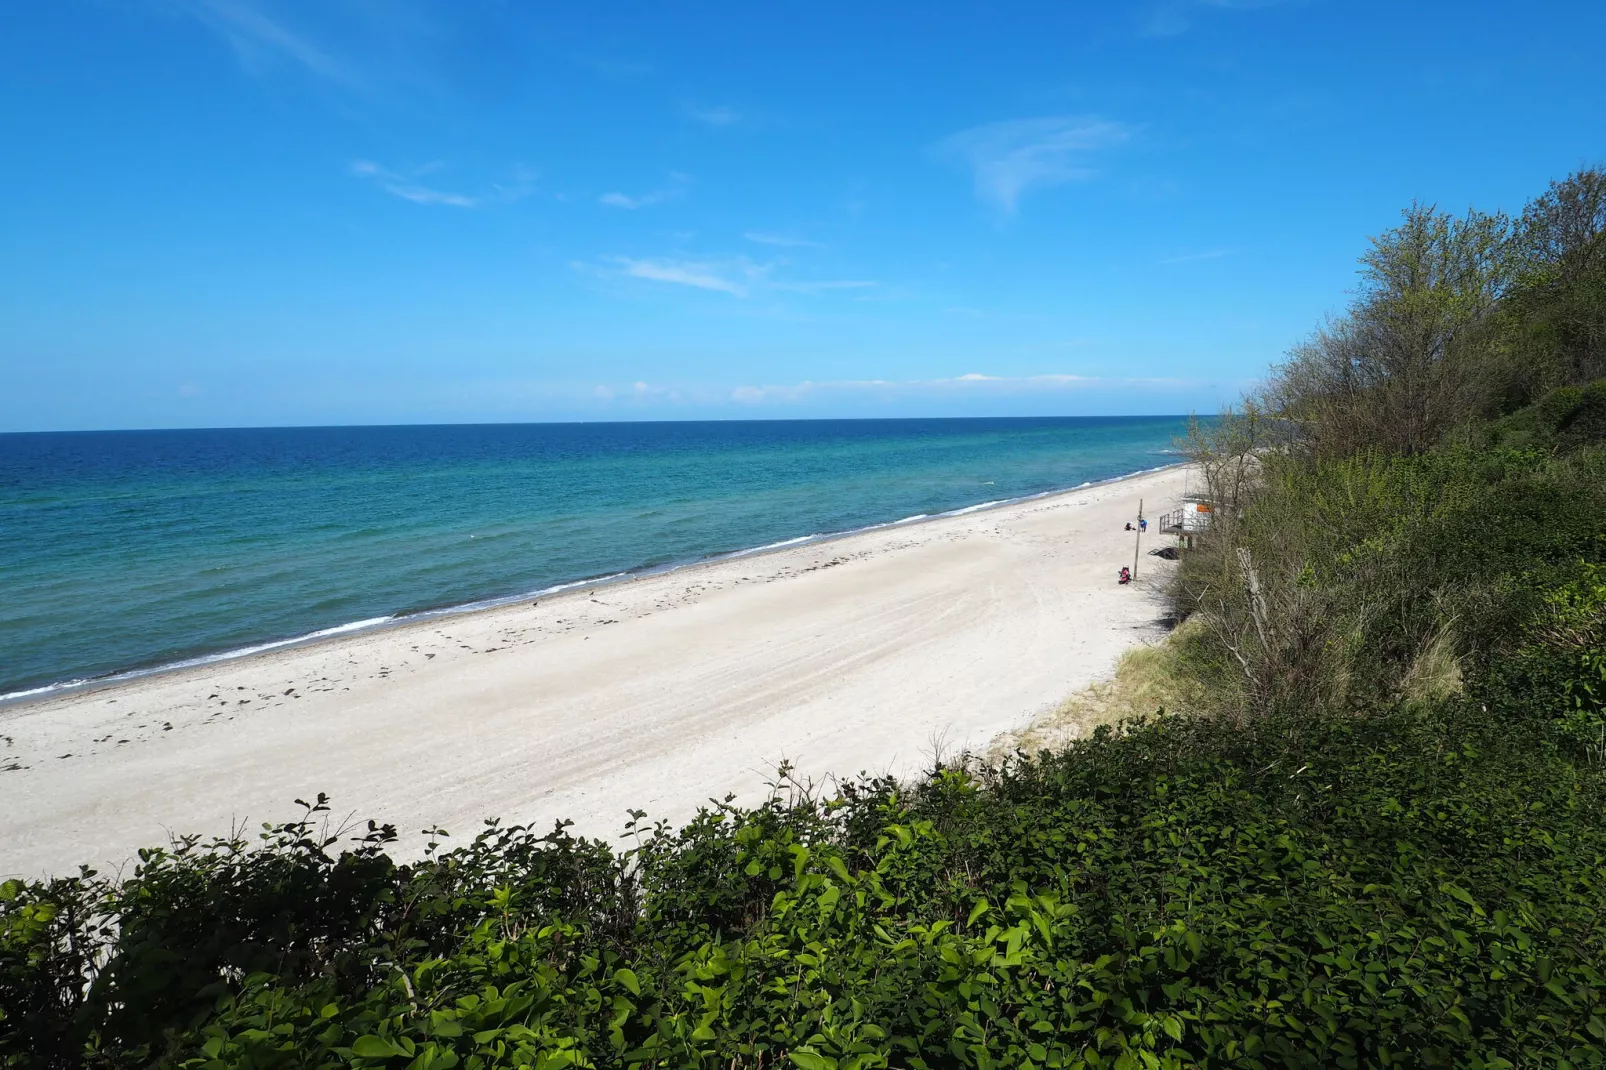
(1137, 544)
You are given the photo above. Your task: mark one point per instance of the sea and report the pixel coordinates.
(124, 552)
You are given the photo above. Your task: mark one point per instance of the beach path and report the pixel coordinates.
(862, 653)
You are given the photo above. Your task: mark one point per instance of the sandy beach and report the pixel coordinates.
(859, 654)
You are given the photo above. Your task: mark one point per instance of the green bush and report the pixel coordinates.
(1422, 887)
(1564, 419)
(1369, 570)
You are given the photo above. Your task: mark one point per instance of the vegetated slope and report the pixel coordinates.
(1424, 884)
(1565, 418)
(1385, 845)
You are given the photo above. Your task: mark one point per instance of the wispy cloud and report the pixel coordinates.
(676, 187)
(1188, 258)
(407, 186)
(254, 36)
(1009, 159)
(763, 238)
(1172, 17)
(624, 200)
(715, 116)
(971, 384)
(972, 391)
(855, 393)
(737, 276)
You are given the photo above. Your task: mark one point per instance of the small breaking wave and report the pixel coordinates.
(768, 546)
(204, 659)
(976, 507)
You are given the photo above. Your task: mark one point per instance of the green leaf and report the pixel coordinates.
(811, 1060)
(627, 977)
(372, 1047)
(977, 911)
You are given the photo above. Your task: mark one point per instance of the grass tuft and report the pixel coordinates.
(1147, 679)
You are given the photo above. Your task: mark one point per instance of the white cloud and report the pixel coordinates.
(763, 238)
(971, 391)
(737, 276)
(716, 116)
(1009, 159)
(677, 185)
(969, 384)
(621, 200)
(1188, 258)
(407, 186)
(734, 277)
(253, 35)
(425, 195)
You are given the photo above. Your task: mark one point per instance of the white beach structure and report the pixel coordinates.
(1193, 515)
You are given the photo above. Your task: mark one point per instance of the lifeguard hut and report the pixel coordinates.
(1193, 516)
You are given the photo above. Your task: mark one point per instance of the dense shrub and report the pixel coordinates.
(1566, 418)
(1421, 887)
(1352, 582)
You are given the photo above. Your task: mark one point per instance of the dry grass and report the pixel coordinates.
(1146, 679)
(1436, 671)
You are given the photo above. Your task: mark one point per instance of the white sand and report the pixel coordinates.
(856, 654)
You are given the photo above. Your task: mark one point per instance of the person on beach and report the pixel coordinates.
(1126, 575)
(1143, 524)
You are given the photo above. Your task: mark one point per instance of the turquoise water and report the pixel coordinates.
(123, 551)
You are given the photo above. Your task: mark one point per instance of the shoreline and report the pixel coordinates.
(863, 652)
(13, 700)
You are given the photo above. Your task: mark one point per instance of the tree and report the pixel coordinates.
(1404, 365)
(1555, 323)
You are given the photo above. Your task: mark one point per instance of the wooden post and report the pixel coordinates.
(1138, 542)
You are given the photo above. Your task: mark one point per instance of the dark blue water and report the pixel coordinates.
(127, 550)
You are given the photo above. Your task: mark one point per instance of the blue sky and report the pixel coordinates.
(249, 212)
